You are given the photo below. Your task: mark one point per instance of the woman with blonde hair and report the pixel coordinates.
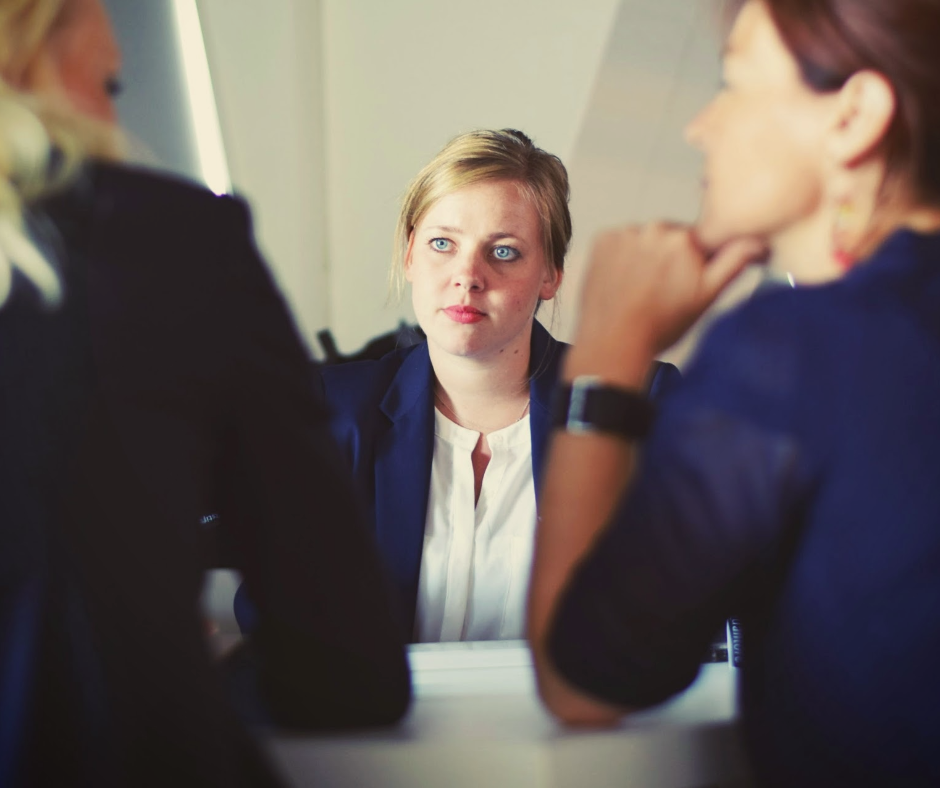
(793, 479)
(148, 372)
(446, 438)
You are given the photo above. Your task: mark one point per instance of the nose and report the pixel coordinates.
(695, 128)
(469, 271)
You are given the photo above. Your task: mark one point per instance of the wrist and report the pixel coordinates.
(587, 405)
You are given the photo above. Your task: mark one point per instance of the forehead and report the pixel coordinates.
(754, 43)
(495, 205)
(84, 26)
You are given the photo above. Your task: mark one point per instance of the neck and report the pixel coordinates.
(878, 208)
(804, 250)
(482, 394)
(923, 220)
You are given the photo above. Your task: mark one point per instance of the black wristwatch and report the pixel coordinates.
(588, 405)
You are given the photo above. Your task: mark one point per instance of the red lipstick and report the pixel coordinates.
(464, 314)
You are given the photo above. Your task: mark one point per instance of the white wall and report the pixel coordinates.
(265, 61)
(157, 122)
(403, 77)
(330, 107)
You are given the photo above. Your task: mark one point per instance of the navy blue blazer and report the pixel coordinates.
(382, 417)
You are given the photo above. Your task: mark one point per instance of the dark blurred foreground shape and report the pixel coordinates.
(170, 382)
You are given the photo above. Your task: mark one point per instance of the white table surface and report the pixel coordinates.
(476, 721)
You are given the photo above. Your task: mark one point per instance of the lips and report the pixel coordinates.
(464, 314)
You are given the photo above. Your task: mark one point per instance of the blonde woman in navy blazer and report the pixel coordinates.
(481, 239)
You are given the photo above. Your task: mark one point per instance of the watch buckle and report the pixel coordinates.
(580, 388)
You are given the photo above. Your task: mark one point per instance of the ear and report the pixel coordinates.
(550, 282)
(865, 106)
(408, 251)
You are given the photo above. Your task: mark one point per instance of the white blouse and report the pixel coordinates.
(476, 560)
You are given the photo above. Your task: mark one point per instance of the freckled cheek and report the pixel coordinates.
(522, 301)
(419, 297)
(429, 293)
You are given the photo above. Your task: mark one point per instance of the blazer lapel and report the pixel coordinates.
(545, 358)
(403, 475)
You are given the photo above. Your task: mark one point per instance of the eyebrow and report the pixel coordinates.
(490, 237)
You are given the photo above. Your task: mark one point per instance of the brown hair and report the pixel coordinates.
(900, 39)
(486, 155)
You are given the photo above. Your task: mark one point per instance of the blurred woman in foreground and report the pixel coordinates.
(794, 478)
(149, 373)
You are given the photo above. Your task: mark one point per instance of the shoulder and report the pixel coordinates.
(118, 209)
(760, 360)
(774, 321)
(546, 352)
(364, 397)
(546, 355)
(140, 225)
(785, 328)
(815, 319)
(358, 387)
(128, 191)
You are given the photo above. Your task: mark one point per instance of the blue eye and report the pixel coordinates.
(505, 253)
(440, 244)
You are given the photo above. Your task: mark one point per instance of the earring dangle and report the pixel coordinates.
(845, 213)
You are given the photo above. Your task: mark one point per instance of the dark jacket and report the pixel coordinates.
(794, 480)
(170, 383)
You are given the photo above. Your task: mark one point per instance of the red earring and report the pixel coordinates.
(840, 253)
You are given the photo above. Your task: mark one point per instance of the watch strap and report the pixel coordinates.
(588, 405)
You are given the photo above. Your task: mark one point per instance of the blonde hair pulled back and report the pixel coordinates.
(489, 155)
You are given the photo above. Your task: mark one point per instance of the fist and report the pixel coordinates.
(647, 284)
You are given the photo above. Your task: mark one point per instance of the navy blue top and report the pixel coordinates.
(382, 416)
(793, 479)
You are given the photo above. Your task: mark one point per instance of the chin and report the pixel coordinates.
(708, 228)
(712, 233)
(711, 236)
(455, 346)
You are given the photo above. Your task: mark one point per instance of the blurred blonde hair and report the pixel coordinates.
(33, 123)
(489, 155)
